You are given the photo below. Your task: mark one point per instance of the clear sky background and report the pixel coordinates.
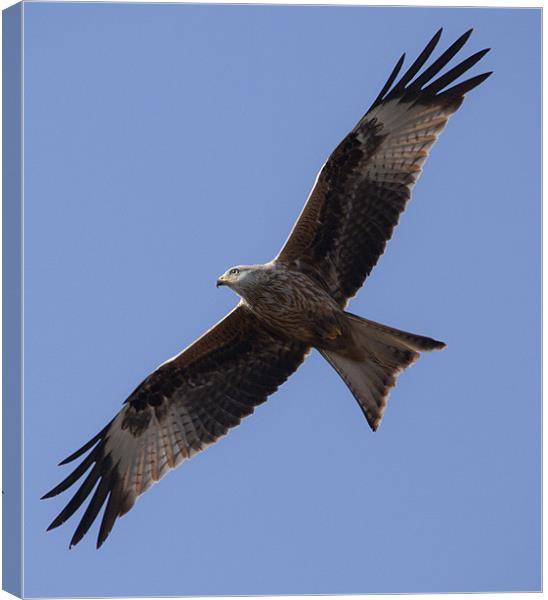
(164, 144)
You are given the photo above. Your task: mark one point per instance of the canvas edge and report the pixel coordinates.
(12, 299)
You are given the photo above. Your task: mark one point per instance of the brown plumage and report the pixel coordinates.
(287, 306)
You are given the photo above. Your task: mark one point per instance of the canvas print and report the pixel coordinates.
(223, 211)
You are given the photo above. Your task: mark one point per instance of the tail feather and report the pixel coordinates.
(380, 353)
(420, 343)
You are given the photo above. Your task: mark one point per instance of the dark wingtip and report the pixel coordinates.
(459, 43)
(53, 525)
(87, 446)
(454, 73)
(104, 530)
(389, 82)
(458, 91)
(68, 459)
(399, 65)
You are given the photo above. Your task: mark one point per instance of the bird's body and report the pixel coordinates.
(292, 305)
(288, 306)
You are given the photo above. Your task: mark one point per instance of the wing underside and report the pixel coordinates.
(365, 184)
(188, 403)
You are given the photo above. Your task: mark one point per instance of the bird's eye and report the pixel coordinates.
(234, 271)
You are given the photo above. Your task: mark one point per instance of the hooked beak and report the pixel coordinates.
(221, 281)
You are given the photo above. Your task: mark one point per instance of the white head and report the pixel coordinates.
(239, 278)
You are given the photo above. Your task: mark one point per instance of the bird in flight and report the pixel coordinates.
(288, 306)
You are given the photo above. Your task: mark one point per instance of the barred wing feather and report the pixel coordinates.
(188, 403)
(365, 184)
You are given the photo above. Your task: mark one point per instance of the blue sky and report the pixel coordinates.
(163, 144)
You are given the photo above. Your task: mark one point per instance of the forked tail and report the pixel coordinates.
(371, 371)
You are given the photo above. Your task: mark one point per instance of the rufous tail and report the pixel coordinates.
(380, 353)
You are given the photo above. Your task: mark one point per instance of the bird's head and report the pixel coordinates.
(237, 278)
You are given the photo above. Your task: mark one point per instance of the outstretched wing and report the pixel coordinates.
(365, 184)
(188, 403)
